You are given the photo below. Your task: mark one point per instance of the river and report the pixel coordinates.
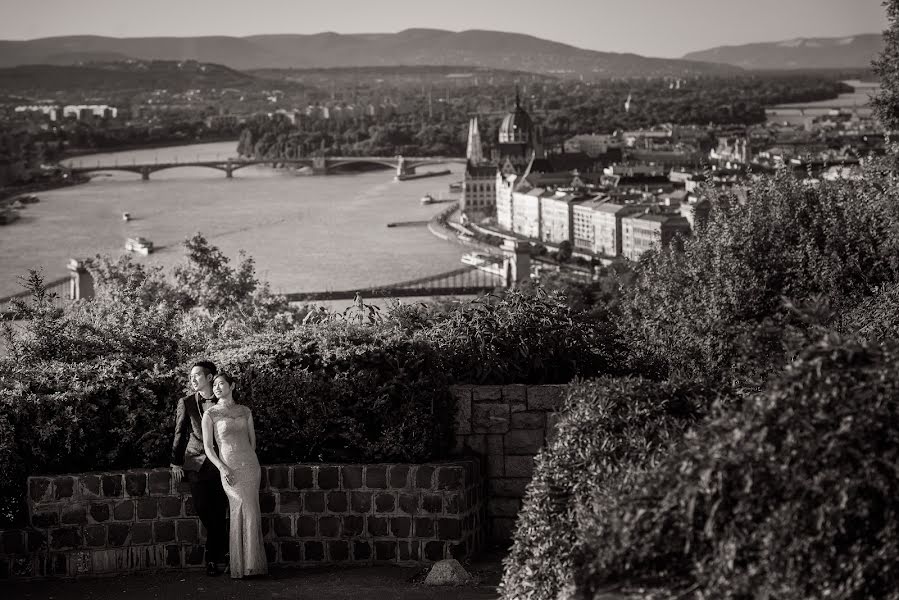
(306, 233)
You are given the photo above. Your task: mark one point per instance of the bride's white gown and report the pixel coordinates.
(233, 439)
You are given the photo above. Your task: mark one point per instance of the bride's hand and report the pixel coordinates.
(229, 476)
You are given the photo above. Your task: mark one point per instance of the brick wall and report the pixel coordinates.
(505, 426)
(97, 523)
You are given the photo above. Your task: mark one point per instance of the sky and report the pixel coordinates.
(664, 28)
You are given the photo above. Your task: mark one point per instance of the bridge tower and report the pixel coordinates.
(319, 165)
(517, 263)
(145, 173)
(82, 283)
(401, 168)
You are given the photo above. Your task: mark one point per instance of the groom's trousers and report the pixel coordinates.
(211, 505)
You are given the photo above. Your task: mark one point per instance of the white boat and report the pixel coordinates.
(126, 216)
(139, 245)
(428, 199)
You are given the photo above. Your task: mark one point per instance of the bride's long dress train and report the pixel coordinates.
(246, 546)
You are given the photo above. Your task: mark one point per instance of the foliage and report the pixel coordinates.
(886, 66)
(791, 496)
(724, 309)
(610, 431)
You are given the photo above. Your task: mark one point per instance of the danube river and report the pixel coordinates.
(306, 233)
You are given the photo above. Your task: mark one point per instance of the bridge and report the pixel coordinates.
(320, 165)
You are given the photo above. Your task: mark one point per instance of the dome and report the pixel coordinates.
(517, 127)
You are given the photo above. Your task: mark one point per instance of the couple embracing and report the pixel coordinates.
(215, 450)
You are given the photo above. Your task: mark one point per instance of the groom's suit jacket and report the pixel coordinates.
(187, 448)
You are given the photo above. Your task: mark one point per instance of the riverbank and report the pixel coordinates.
(43, 186)
(79, 152)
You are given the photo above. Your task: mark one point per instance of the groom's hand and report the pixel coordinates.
(177, 473)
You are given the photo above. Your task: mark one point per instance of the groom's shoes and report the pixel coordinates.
(212, 569)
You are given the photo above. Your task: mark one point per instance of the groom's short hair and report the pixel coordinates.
(207, 366)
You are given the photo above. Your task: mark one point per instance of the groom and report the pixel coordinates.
(189, 458)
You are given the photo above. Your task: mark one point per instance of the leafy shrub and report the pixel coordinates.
(717, 311)
(610, 431)
(792, 496)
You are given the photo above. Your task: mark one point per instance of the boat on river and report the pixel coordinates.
(428, 199)
(455, 187)
(139, 245)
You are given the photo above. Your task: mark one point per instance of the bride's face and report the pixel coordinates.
(221, 388)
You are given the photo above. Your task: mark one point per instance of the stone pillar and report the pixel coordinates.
(517, 264)
(82, 284)
(319, 165)
(145, 173)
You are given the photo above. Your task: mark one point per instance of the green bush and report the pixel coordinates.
(793, 496)
(610, 431)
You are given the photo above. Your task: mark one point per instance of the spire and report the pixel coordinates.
(517, 98)
(474, 152)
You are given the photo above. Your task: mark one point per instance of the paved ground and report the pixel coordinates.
(351, 583)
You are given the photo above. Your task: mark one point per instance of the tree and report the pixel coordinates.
(886, 103)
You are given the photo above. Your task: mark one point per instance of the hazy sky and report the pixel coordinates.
(667, 28)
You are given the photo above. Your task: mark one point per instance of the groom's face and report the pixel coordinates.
(198, 378)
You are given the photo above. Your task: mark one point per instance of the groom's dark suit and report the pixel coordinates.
(210, 500)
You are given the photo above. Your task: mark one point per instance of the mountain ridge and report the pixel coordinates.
(840, 52)
(417, 46)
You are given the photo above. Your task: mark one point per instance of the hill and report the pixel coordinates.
(852, 52)
(398, 76)
(473, 48)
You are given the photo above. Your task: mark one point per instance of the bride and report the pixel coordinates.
(231, 426)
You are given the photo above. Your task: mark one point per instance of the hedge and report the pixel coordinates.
(793, 496)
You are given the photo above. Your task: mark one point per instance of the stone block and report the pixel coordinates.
(170, 506)
(377, 526)
(187, 531)
(328, 478)
(141, 533)
(360, 502)
(172, 556)
(523, 441)
(164, 531)
(314, 551)
(452, 503)
(531, 419)
(290, 552)
(136, 483)
(496, 466)
(432, 503)
(545, 397)
(338, 550)
(37, 541)
(434, 550)
(64, 488)
(408, 503)
(385, 502)
(515, 393)
(75, 514)
(495, 444)
(517, 407)
(40, 489)
(400, 527)
(266, 504)
(12, 542)
(361, 550)
(450, 478)
(45, 519)
(475, 444)
(99, 513)
(503, 507)
(279, 477)
(449, 528)
(353, 525)
(160, 482)
(194, 555)
(306, 526)
(303, 478)
(424, 477)
(508, 487)
(408, 550)
(123, 511)
(376, 477)
(385, 550)
(490, 417)
(65, 538)
(329, 527)
(89, 486)
(520, 466)
(314, 502)
(117, 533)
(112, 486)
(337, 502)
(352, 477)
(462, 416)
(486, 393)
(283, 525)
(270, 552)
(502, 529)
(291, 502)
(147, 508)
(398, 477)
(423, 527)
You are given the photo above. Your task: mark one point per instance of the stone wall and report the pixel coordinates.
(98, 523)
(505, 426)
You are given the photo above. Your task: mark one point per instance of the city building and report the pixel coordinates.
(641, 232)
(479, 192)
